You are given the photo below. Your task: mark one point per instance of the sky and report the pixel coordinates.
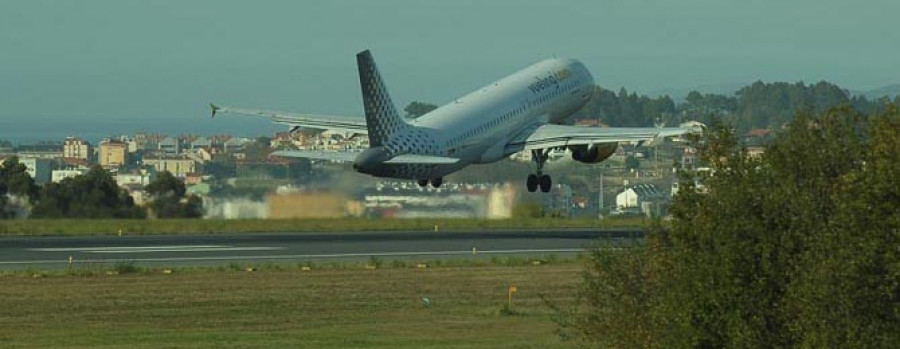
(109, 65)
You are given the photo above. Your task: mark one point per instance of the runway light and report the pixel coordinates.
(371, 267)
(250, 269)
(167, 271)
(305, 268)
(421, 265)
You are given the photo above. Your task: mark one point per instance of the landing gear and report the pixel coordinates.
(545, 183)
(435, 182)
(539, 180)
(532, 183)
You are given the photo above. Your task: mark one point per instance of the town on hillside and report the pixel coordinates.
(239, 178)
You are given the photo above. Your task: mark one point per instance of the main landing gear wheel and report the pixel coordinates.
(532, 183)
(545, 182)
(436, 182)
(422, 183)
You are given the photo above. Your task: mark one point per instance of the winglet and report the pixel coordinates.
(214, 108)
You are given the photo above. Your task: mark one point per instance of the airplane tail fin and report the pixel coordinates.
(382, 119)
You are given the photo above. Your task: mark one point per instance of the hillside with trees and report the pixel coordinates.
(759, 105)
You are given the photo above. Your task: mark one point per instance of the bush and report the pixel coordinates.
(796, 248)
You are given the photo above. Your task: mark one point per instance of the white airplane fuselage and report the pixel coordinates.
(477, 127)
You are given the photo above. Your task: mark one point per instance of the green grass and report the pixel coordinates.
(279, 305)
(31, 227)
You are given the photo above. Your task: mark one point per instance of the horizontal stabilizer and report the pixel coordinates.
(318, 155)
(421, 159)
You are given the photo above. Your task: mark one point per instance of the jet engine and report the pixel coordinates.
(593, 154)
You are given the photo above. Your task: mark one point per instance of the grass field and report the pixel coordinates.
(208, 226)
(286, 307)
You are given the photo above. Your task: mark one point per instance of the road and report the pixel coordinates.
(216, 249)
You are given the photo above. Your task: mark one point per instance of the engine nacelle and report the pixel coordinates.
(595, 153)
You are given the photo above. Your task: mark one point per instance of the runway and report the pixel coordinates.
(215, 249)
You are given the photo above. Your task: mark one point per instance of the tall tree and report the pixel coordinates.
(15, 180)
(169, 200)
(92, 195)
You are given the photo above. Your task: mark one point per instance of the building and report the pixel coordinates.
(139, 178)
(178, 166)
(40, 169)
(282, 140)
(57, 176)
(206, 154)
(76, 148)
(200, 189)
(40, 151)
(169, 146)
(632, 196)
(689, 158)
(755, 151)
(201, 142)
(235, 144)
(193, 178)
(758, 136)
(113, 153)
(646, 198)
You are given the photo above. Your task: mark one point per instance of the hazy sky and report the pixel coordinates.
(164, 60)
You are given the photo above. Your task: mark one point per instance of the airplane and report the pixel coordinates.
(517, 113)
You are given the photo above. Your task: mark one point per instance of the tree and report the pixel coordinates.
(169, 199)
(796, 248)
(14, 180)
(417, 109)
(632, 163)
(221, 166)
(92, 195)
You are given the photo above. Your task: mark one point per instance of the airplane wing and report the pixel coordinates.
(553, 136)
(314, 121)
(318, 155)
(343, 156)
(421, 159)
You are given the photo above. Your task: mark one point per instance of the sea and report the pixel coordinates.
(24, 130)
